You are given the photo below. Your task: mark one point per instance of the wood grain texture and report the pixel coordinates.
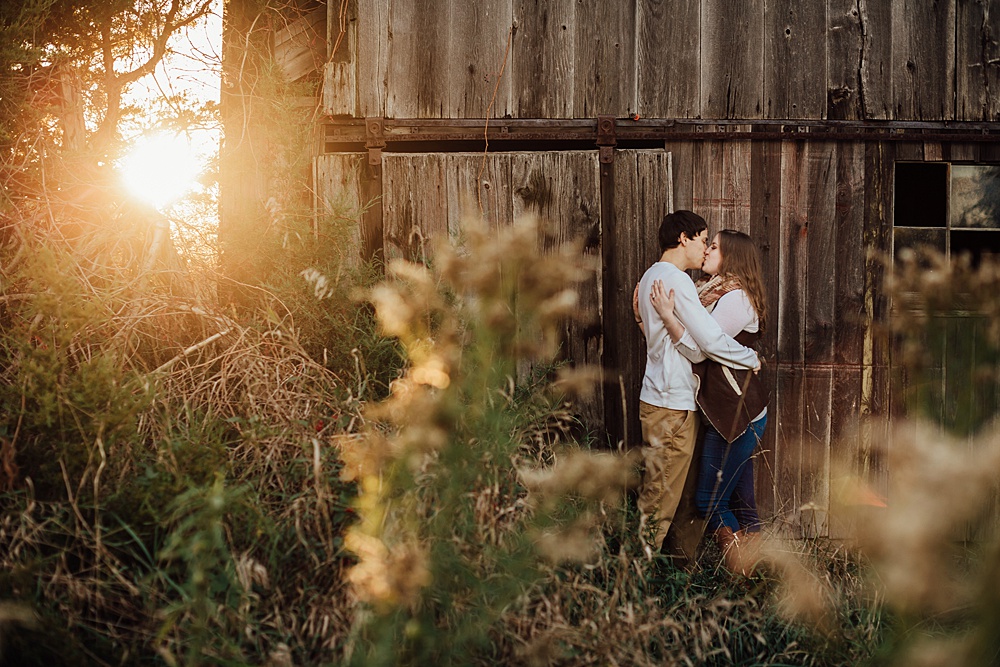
(793, 252)
(823, 256)
(300, 44)
(340, 86)
(668, 79)
(849, 314)
(477, 40)
(732, 59)
(923, 59)
(875, 387)
(478, 190)
(445, 59)
(415, 204)
(977, 60)
(604, 68)
(844, 48)
(721, 188)
(814, 475)
(682, 166)
(373, 45)
(543, 58)
(795, 59)
(789, 416)
(964, 152)
(876, 81)
(337, 198)
(793, 260)
(419, 60)
(563, 190)
(765, 216)
(844, 438)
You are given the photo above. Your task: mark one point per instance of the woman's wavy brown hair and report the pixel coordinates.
(741, 259)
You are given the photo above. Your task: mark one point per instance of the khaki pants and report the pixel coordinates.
(669, 437)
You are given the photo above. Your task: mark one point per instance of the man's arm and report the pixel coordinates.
(706, 333)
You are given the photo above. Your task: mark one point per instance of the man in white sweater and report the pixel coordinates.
(667, 407)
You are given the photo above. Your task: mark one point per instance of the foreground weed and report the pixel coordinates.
(448, 538)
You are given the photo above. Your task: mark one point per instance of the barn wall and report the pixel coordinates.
(755, 59)
(815, 209)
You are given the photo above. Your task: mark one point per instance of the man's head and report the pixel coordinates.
(685, 233)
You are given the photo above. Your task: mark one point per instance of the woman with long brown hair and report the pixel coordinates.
(733, 401)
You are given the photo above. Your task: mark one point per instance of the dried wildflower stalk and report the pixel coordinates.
(446, 538)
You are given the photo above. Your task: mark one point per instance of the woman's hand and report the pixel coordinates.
(663, 301)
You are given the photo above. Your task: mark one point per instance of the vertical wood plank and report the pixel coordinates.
(875, 91)
(849, 311)
(563, 190)
(794, 221)
(794, 32)
(735, 213)
(909, 150)
(791, 311)
(478, 33)
(964, 152)
(849, 317)
(732, 59)
(844, 45)
(373, 47)
(824, 253)
(977, 61)
(669, 84)
(933, 151)
(479, 188)
(989, 152)
(844, 436)
(340, 87)
(765, 213)
(814, 478)
(683, 172)
(875, 386)
(923, 59)
(418, 64)
(788, 414)
(543, 58)
(337, 196)
(604, 71)
(706, 188)
(721, 187)
(415, 204)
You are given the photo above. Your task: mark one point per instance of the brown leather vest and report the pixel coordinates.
(730, 398)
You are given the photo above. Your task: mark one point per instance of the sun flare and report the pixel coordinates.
(161, 168)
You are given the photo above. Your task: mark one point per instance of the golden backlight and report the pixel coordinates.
(161, 168)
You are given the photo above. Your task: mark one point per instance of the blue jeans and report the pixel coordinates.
(725, 482)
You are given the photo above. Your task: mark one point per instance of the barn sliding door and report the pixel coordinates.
(427, 195)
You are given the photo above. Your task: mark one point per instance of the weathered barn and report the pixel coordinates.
(830, 131)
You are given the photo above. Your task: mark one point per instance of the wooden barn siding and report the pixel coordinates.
(815, 209)
(429, 196)
(772, 59)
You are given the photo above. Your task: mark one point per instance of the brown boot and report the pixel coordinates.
(729, 544)
(749, 549)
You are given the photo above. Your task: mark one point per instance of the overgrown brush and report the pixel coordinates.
(169, 487)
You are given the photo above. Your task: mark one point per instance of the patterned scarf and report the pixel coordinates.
(712, 290)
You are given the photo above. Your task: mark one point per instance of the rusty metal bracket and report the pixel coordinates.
(606, 139)
(375, 142)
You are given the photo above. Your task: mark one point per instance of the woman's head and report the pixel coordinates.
(733, 253)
